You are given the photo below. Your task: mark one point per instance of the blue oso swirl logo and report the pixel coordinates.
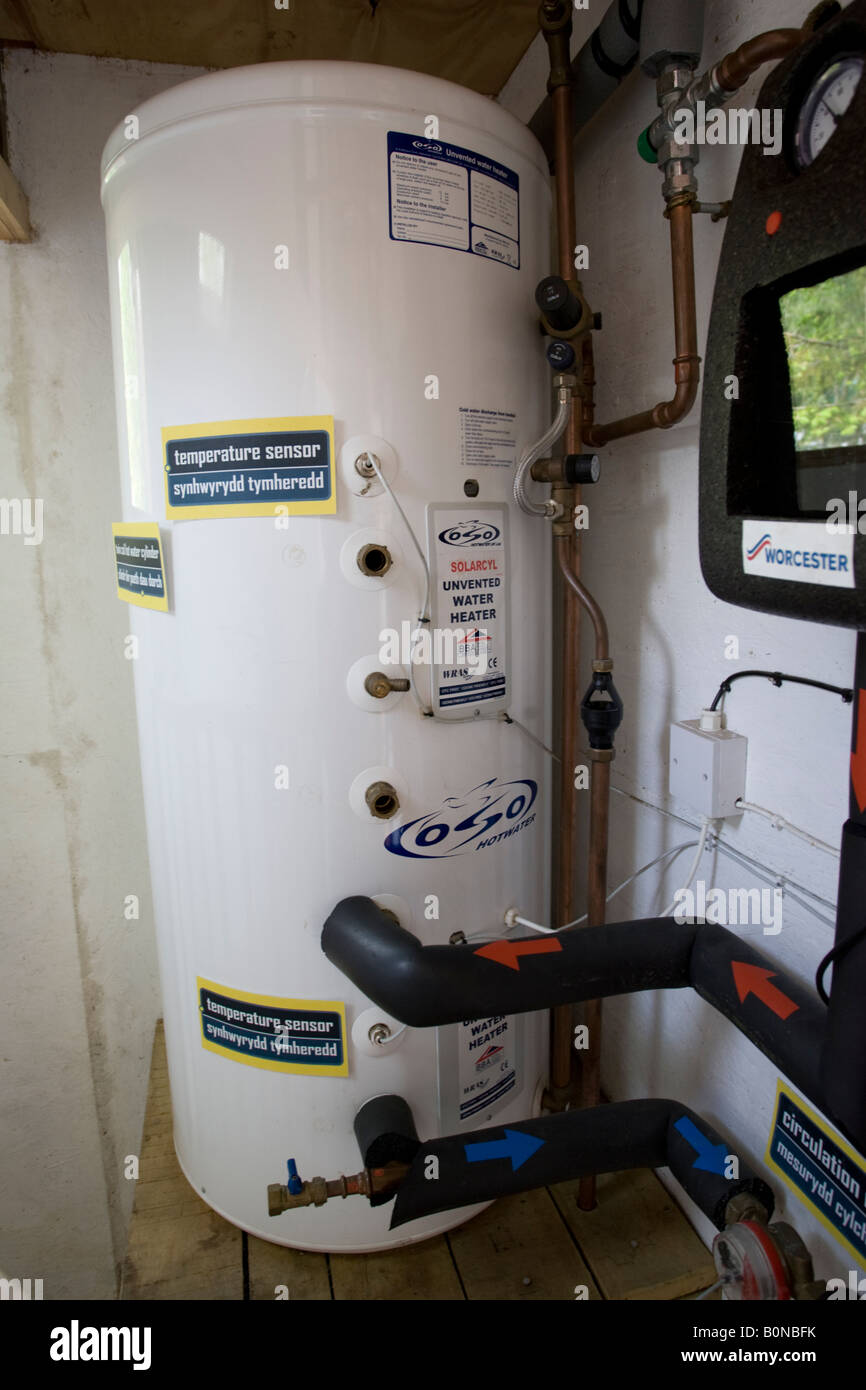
(487, 815)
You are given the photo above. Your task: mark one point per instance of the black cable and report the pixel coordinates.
(836, 954)
(776, 678)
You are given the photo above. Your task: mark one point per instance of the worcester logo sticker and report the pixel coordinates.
(488, 815)
(471, 533)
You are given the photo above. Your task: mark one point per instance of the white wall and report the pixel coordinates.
(669, 632)
(78, 992)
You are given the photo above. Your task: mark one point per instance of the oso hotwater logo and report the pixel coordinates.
(463, 824)
(471, 533)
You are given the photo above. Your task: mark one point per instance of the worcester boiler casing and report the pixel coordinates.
(311, 263)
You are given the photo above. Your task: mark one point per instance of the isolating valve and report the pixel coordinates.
(601, 709)
(564, 311)
(560, 355)
(370, 1182)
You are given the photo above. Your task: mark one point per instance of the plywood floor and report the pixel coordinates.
(538, 1245)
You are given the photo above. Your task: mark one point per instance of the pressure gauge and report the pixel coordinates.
(827, 100)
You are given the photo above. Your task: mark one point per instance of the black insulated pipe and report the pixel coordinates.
(428, 985)
(385, 1131)
(488, 1163)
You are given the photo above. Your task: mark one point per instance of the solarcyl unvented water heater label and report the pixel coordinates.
(443, 195)
(305, 1036)
(469, 641)
(479, 1067)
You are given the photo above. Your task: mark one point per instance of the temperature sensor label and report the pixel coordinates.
(443, 195)
(281, 467)
(305, 1036)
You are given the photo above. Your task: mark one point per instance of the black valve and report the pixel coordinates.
(560, 305)
(560, 355)
(581, 469)
(601, 710)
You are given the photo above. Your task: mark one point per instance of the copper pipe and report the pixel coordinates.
(561, 1057)
(687, 363)
(590, 1076)
(736, 68)
(566, 221)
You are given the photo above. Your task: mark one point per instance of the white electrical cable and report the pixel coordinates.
(424, 615)
(513, 919)
(787, 884)
(696, 863)
(542, 509)
(781, 823)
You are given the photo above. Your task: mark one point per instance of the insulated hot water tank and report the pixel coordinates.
(312, 264)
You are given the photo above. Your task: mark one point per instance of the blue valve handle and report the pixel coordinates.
(295, 1185)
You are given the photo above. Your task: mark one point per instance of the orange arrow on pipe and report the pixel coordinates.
(753, 979)
(858, 757)
(509, 952)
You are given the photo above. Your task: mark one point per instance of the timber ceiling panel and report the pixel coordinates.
(474, 42)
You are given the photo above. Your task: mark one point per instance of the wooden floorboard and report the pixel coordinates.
(538, 1245)
(275, 1271)
(520, 1248)
(637, 1242)
(408, 1274)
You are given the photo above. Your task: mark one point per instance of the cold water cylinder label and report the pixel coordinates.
(469, 641)
(138, 564)
(824, 1171)
(479, 1068)
(305, 1036)
(443, 195)
(275, 467)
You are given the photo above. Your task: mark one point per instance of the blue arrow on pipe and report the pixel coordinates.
(712, 1158)
(516, 1145)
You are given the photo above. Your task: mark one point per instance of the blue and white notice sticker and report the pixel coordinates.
(468, 557)
(444, 195)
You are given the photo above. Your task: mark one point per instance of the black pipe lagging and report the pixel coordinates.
(489, 1163)
(424, 986)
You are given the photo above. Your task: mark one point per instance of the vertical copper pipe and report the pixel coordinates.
(563, 1018)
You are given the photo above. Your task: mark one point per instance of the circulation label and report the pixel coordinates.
(824, 1171)
(444, 195)
(231, 468)
(138, 564)
(468, 556)
(305, 1036)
